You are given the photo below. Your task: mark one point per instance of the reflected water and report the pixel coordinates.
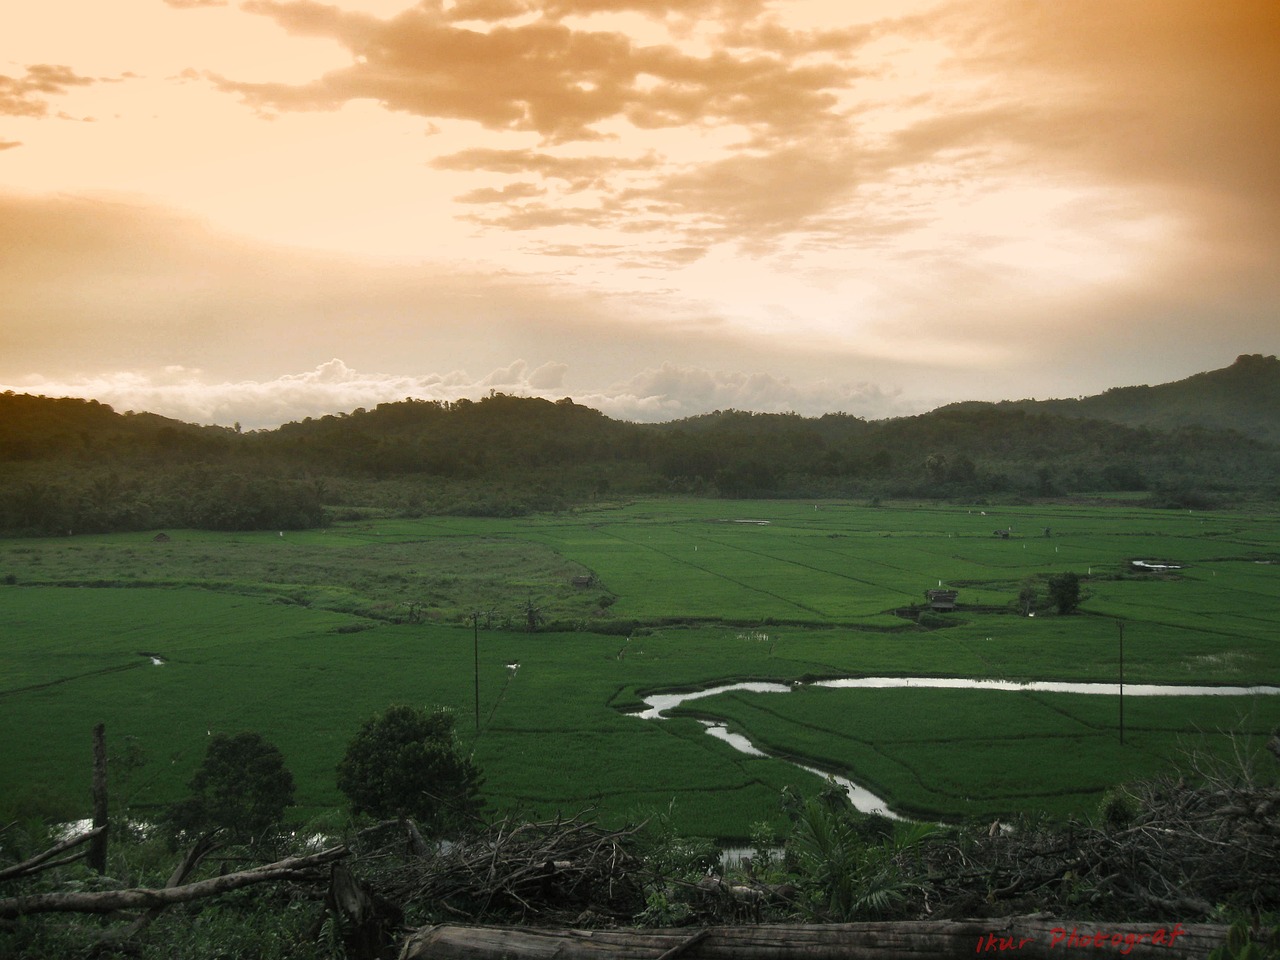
(863, 799)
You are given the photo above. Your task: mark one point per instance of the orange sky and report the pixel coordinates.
(269, 209)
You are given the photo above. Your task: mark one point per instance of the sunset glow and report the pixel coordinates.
(271, 209)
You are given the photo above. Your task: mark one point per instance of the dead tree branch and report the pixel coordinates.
(38, 863)
(108, 901)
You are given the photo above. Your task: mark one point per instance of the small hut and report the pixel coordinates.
(941, 600)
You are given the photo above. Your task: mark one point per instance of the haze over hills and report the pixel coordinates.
(1244, 397)
(77, 465)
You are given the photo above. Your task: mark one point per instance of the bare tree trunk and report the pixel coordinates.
(370, 923)
(108, 901)
(206, 845)
(97, 858)
(41, 861)
(1029, 938)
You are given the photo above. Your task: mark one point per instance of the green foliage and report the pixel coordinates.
(1241, 945)
(242, 787)
(407, 762)
(1064, 591)
(850, 866)
(1118, 809)
(1028, 597)
(71, 637)
(661, 909)
(77, 466)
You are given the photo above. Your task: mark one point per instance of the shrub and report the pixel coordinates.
(242, 786)
(406, 762)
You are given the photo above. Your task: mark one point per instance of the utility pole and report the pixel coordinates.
(1120, 624)
(475, 635)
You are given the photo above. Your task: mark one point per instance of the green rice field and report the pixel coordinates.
(304, 635)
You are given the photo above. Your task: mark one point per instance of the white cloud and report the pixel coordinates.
(671, 392)
(667, 392)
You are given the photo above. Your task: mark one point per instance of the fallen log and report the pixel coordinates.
(108, 901)
(40, 862)
(1029, 937)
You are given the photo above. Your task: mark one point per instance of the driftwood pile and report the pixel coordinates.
(561, 870)
(1167, 850)
(1163, 856)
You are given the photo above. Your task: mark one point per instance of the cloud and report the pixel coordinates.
(665, 393)
(577, 173)
(673, 391)
(766, 91)
(28, 96)
(512, 191)
(9, 144)
(1164, 95)
(108, 284)
(540, 76)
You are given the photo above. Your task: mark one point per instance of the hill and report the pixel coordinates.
(1244, 397)
(78, 466)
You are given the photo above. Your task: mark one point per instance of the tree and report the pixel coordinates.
(1064, 592)
(1028, 597)
(242, 786)
(533, 617)
(407, 762)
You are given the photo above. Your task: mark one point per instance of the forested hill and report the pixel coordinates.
(1244, 397)
(78, 466)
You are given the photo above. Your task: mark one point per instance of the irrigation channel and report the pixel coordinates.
(862, 798)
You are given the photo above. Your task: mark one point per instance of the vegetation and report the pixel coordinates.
(1064, 591)
(545, 570)
(242, 788)
(406, 762)
(77, 466)
(305, 637)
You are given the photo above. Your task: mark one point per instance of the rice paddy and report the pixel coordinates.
(302, 636)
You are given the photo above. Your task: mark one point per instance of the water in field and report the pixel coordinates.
(862, 798)
(660, 702)
(1045, 686)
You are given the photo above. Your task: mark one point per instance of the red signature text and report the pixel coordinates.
(1108, 940)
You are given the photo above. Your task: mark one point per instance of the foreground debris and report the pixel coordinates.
(1160, 849)
(1030, 937)
(526, 872)
(109, 901)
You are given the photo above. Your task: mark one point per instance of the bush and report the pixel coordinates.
(406, 762)
(1064, 592)
(242, 786)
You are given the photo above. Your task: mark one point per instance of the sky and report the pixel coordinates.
(261, 210)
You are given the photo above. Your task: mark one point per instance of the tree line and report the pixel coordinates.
(77, 466)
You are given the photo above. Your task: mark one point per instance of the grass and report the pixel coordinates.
(304, 636)
(983, 754)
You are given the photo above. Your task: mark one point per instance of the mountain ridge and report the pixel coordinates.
(1244, 397)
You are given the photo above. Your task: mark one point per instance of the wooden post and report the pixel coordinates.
(97, 856)
(475, 636)
(1121, 625)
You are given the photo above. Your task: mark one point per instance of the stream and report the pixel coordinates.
(863, 799)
